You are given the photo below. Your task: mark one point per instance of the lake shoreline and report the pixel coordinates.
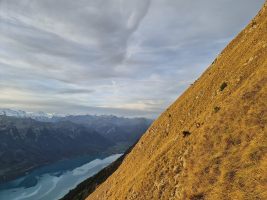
(56, 179)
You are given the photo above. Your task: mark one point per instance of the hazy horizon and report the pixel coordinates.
(74, 114)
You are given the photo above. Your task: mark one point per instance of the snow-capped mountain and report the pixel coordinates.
(40, 116)
(13, 113)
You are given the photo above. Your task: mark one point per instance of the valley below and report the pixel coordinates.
(43, 157)
(53, 181)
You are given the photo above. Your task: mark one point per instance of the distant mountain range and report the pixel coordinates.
(29, 140)
(40, 116)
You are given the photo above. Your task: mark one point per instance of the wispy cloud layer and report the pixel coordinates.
(119, 56)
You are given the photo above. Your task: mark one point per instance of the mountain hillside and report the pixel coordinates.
(117, 129)
(212, 142)
(120, 130)
(26, 144)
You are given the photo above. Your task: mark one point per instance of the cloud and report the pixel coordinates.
(121, 56)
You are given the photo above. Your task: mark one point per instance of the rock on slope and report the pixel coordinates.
(211, 143)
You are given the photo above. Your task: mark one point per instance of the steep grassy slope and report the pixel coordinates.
(212, 142)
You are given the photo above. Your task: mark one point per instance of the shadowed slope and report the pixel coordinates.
(211, 143)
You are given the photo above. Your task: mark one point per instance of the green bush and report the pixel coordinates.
(223, 86)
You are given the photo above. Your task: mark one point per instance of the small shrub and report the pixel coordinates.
(223, 86)
(254, 24)
(217, 109)
(199, 196)
(257, 154)
(186, 133)
(230, 176)
(214, 61)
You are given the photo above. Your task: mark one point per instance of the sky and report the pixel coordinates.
(122, 57)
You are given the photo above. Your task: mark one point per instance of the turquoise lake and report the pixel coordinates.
(53, 181)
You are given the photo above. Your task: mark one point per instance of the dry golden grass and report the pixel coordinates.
(212, 142)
